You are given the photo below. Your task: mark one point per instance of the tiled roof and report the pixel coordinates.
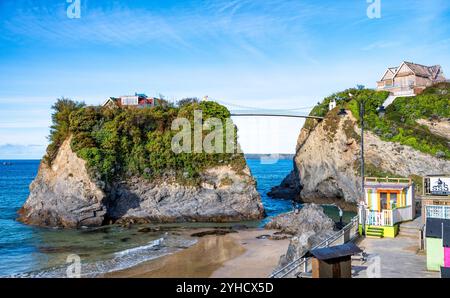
(424, 71)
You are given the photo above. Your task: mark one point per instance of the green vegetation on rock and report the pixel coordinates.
(125, 142)
(399, 125)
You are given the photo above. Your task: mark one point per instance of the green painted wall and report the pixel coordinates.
(435, 254)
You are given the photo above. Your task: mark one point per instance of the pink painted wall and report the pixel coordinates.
(447, 257)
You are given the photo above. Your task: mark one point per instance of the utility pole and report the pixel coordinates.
(342, 113)
(362, 108)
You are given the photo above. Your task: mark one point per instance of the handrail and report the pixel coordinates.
(300, 261)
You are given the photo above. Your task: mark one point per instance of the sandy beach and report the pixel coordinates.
(234, 255)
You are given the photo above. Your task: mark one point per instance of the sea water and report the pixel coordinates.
(28, 251)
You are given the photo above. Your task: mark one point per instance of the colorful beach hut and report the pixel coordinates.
(388, 202)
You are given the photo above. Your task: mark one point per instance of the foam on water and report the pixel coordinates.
(119, 260)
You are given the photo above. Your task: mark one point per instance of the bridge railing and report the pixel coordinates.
(303, 264)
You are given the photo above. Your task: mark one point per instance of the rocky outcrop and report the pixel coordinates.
(439, 127)
(327, 161)
(289, 188)
(224, 196)
(310, 226)
(65, 195)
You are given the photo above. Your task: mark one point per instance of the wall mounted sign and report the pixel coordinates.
(440, 186)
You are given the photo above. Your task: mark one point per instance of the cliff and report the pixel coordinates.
(64, 195)
(117, 166)
(327, 160)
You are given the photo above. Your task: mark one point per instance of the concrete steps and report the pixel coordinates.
(411, 228)
(409, 231)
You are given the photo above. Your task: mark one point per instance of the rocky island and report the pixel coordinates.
(115, 165)
(412, 140)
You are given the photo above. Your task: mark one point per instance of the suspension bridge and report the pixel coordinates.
(247, 111)
(274, 115)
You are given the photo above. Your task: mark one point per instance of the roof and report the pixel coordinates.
(393, 69)
(334, 252)
(111, 99)
(424, 71)
(431, 72)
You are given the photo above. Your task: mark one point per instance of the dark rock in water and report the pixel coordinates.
(239, 227)
(279, 237)
(147, 230)
(125, 239)
(288, 189)
(103, 229)
(275, 236)
(213, 232)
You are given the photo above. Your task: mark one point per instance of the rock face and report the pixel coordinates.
(310, 227)
(437, 127)
(224, 196)
(326, 164)
(64, 195)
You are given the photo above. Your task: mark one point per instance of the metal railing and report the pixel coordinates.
(438, 211)
(302, 264)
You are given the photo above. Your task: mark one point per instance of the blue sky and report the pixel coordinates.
(263, 53)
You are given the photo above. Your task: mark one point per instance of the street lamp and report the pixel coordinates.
(362, 108)
(381, 111)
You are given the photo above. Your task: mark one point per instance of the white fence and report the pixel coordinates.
(303, 264)
(386, 218)
(375, 218)
(436, 211)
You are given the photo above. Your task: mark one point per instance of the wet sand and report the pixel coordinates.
(233, 255)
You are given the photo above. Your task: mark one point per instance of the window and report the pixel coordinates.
(393, 200)
(383, 200)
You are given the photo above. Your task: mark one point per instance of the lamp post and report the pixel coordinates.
(362, 108)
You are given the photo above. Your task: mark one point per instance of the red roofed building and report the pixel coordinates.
(136, 100)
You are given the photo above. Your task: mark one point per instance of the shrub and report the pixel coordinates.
(119, 143)
(399, 124)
